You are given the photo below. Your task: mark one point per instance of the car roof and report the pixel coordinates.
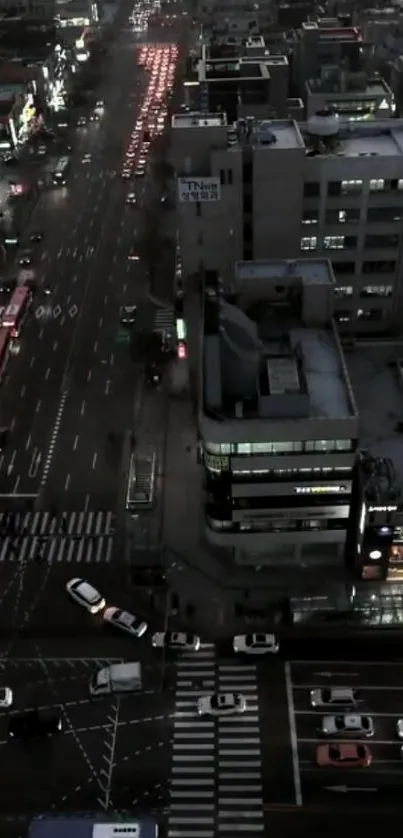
(86, 589)
(341, 692)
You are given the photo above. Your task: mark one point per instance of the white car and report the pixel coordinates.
(176, 640)
(140, 171)
(131, 198)
(256, 644)
(6, 697)
(349, 725)
(221, 704)
(399, 728)
(87, 158)
(334, 697)
(125, 621)
(86, 595)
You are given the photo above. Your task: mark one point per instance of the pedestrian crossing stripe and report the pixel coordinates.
(69, 523)
(164, 320)
(84, 549)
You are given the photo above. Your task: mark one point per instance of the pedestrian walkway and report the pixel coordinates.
(70, 524)
(216, 788)
(192, 789)
(239, 773)
(164, 321)
(57, 549)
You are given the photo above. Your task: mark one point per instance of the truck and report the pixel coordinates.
(117, 678)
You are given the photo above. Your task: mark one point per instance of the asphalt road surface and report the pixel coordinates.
(73, 382)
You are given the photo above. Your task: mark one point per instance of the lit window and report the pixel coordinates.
(376, 291)
(334, 242)
(376, 184)
(343, 291)
(400, 184)
(309, 243)
(348, 186)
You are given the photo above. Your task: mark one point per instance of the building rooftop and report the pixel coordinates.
(310, 270)
(195, 119)
(266, 360)
(358, 139)
(378, 388)
(332, 86)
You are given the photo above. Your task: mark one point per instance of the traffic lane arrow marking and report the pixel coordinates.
(346, 789)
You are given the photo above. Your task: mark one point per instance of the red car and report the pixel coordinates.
(343, 755)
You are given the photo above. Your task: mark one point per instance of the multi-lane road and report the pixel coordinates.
(73, 382)
(152, 752)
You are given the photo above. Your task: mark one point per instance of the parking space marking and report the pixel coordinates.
(293, 735)
(345, 663)
(107, 726)
(362, 687)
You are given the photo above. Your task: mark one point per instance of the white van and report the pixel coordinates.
(116, 678)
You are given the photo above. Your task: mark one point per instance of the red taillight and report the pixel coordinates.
(182, 351)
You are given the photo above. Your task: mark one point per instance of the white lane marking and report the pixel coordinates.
(89, 375)
(107, 385)
(53, 439)
(293, 734)
(16, 485)
(94, 460)
(47, 373)
(75, 443)
(28, 442)
(82, 411)
(23, 390)
(96, 346)
(38, 406)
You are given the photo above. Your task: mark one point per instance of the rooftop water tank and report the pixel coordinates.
(324, 123)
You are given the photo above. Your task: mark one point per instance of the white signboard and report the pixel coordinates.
(199, 190)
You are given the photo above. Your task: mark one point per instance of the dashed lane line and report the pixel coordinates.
(81, 702)
(75, 733)
(127, 758)
(35, 661)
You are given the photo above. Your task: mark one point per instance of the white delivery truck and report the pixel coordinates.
(117, 678)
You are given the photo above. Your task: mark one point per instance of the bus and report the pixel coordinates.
(4, 351)
(59, 174)
(17, 310)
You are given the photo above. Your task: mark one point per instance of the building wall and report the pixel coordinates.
(282, 203)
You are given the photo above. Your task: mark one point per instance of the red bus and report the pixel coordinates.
(4, 347)
(17, 310)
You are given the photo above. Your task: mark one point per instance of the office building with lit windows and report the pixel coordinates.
(275, 189)
(278, 424)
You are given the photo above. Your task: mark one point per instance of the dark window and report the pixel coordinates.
(311, 189)
(247, 232)
(387, 266)
(350, 241)
(222, 177)
(390, 240)
(334, 187)
(229, 177)
(247, 172)
(343, 267)
(247, 203)
(384, 214)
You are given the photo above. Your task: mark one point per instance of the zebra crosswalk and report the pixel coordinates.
(73, 537)
(216, 784)
(45, 523)
(164, 320)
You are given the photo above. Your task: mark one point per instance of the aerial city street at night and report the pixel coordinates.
(201, 418)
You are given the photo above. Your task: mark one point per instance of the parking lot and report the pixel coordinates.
(381, 697)
(111, 752)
